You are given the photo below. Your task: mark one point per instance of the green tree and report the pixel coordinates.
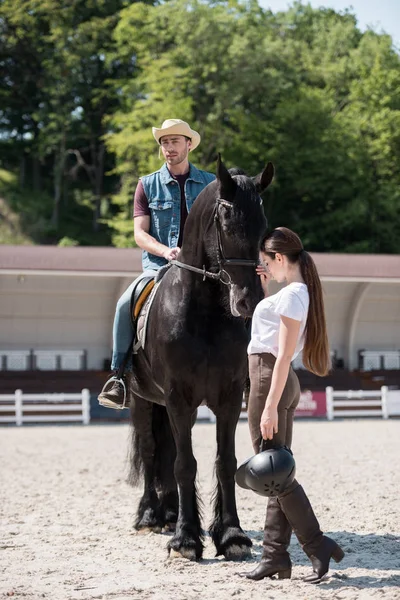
(57, 89)
(83, 82)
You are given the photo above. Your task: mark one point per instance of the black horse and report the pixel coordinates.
(195, 352)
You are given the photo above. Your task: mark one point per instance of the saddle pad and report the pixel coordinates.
(143, 318)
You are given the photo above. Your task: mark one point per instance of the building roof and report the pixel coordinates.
(101, 261)
(362, 267)
(91, 260)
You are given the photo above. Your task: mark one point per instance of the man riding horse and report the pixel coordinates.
(194, 345)
(161, 205)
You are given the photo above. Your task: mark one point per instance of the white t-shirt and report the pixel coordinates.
(291, 301)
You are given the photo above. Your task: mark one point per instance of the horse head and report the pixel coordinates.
(222, 236)
(240, 223)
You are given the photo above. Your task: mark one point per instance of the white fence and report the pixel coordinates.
(383, 403)
(20, 408)
(15, 360)
(43, 360)
(357, 403)
(371, 360)
(54, 360)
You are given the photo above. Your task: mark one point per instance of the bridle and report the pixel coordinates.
(222, 275)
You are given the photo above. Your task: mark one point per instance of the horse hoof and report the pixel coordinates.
(184, 553)
(146, 530)
(236, 552)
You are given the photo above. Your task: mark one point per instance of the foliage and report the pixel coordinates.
(67, 242)
(83, 83)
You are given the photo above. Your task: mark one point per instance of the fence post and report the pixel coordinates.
(31, 360)
(329, 403)
(384, 397)
(86, 406)
(18, 407)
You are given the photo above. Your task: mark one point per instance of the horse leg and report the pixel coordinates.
(169, 499)
(187, 541)
(164, 468)
(169, 506)
(225, 530)
(148, 517)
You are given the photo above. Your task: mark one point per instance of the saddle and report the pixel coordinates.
(140, 293)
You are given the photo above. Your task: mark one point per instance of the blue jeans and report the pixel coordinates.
(122, 329)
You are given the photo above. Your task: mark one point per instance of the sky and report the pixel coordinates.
(380, 15)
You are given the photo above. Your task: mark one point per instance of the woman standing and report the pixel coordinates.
(291, 321)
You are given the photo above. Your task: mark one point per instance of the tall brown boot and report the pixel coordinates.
(318, 547)
(275, 559)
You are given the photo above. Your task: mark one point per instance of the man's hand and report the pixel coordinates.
(171, 253)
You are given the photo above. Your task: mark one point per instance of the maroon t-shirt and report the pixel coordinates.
(141, 203)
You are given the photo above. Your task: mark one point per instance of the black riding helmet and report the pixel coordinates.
(268, 473)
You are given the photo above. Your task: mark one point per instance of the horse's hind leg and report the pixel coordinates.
(148, 517)
(226, 533)
(169, 506)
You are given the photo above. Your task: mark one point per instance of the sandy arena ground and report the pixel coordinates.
(67, 513)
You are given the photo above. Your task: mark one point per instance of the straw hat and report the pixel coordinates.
(177, 127)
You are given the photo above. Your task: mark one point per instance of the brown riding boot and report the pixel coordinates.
(318, 547)
(115, 392)
(275, 558)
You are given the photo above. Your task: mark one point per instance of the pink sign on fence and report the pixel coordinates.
(312, 404)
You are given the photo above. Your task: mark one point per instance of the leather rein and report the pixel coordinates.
(222, 275)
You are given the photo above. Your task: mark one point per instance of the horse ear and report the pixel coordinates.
(227, 185)
(262, 180)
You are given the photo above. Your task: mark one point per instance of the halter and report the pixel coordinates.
(222, 275)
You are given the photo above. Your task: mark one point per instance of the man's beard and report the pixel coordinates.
(179, 158)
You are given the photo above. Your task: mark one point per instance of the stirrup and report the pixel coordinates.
(115, 404)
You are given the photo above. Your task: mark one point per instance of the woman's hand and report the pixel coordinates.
(269, 422)
(265, 277)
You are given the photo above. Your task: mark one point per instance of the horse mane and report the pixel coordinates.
(236, 171)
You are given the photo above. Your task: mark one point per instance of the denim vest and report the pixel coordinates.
(164, 197)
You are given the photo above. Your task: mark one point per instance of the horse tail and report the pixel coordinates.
(216, 526)
(152, 446)
(135, 459)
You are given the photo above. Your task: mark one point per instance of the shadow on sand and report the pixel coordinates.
(362, 551)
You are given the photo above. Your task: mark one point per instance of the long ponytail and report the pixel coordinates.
(316, 354)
